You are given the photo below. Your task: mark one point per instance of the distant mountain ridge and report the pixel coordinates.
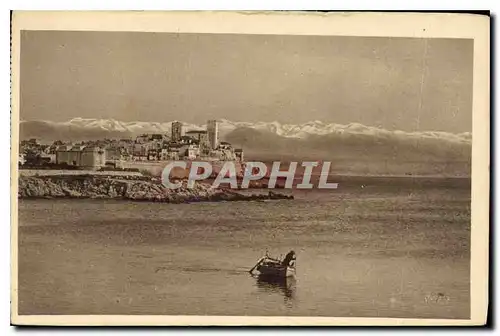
(351, 148)
(115, 128)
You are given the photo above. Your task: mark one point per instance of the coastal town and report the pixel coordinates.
(149, 156)
(130, 154)
(128, 169)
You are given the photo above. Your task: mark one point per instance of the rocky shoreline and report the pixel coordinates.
(112, 187)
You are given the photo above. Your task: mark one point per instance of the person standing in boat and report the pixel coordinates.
(289, 259)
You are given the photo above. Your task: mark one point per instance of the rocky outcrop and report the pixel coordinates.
(109, 187)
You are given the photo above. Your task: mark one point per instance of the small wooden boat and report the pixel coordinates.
(274, 268)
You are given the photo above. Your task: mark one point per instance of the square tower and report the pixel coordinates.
(213, 133)
(176, 131)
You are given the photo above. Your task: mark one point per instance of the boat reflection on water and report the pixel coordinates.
(284, 286)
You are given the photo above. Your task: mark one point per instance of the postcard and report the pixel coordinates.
(249, 168)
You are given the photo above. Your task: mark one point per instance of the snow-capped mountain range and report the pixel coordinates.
(112, 127)
(353, 147)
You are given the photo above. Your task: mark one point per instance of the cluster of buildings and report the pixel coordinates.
(178, 145)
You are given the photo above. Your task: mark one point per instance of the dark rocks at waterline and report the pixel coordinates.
(106, 187)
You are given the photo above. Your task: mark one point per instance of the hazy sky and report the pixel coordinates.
(291, 79)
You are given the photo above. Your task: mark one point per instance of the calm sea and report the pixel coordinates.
(364, 251)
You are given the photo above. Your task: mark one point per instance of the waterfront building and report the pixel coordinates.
(87, 157)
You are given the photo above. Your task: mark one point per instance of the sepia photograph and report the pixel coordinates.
(207, 168)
